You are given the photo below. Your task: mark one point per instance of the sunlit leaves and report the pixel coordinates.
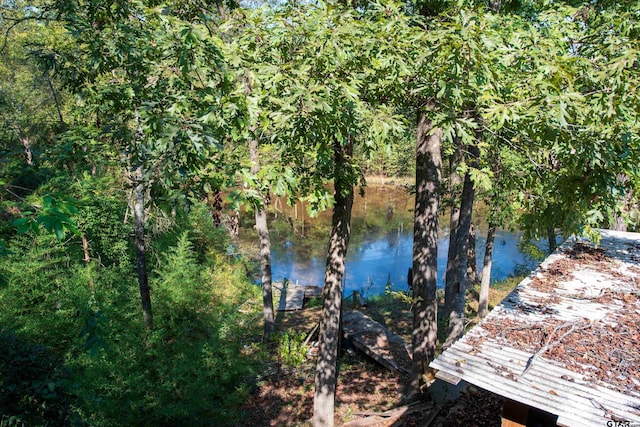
(318, 74)
(53, 213)
(158, 84)
(555, 88)
(554, 84)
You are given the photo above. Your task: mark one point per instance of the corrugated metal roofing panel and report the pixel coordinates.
(579, 302)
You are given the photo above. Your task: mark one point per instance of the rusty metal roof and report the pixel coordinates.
(567, 339)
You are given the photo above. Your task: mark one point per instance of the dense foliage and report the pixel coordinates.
(76, 351)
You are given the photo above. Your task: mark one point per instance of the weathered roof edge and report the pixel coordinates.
(545, 384)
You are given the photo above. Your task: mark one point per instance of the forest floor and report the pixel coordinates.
(284, 395)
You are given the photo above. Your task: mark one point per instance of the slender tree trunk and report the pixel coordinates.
(265, 247)
(28, 153)
(141, 254)
(63, 125)
(619, 220)
(214, 198)
(454, 183)
(72, 169)
(140, 193)
(85, 249)
(87, 261)
(456, 316)
(483, 300)
(326, 369)
(425, 247)
(234, 223)
(619, 223)
(551, 238)
(472, 264)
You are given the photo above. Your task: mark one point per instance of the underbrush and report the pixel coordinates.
(292, 349)
(74, 351)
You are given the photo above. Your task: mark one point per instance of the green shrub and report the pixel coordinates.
(291, 348)
(102, 205)
(35, 299)
(179, 288)
(207, 239)
(195, 368)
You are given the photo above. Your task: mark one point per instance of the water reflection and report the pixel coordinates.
(374, 260)
(381, 243)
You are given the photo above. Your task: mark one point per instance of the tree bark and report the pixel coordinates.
(234, 223)
(472, 264)
(265, 247)
(63, 125)
(28, 153)
(619, 220)
(483, 300)
(326, 369)
(85, 249)
(425, 247)
(214, 199)
(141, 254)
(460, 284)
(619, 224)
(87, 261)
(551, 238)
(454, 183)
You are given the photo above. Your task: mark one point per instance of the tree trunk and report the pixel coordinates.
(85, 249)
(87, 262)
(141, 254)
(214, 198)
(234, 223)
(454, 183)
(28, 153)
(425, 247)
(63, 125)
(472, 264)
(619, 220)
(620, 224)
(459, 288)
(326, 370)
(551, 236)
(265, 248)
(483, 300)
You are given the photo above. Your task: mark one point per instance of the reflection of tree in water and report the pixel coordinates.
(394, 239)
(378, 246)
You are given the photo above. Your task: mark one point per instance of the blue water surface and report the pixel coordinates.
(374, 260)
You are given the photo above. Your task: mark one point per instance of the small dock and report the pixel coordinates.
(376, 341)
(292, 297)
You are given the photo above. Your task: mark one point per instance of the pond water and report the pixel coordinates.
(376, 260)
(380, 250)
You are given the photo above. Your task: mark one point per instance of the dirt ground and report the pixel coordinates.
(367, 393)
